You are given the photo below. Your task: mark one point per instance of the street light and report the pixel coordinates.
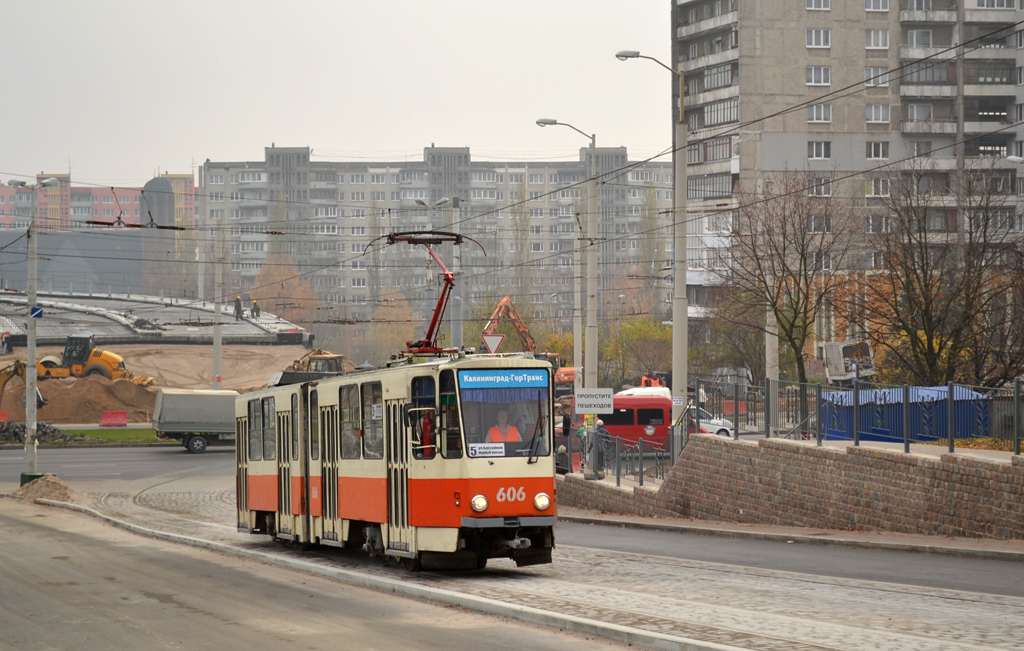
(680, 310)
(590, 364)
(30, 362)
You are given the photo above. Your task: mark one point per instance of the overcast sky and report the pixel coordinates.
(122, 89)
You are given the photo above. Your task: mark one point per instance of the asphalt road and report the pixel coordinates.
(88, 465)
(73, 582)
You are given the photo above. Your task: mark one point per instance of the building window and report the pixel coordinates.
(716, 77)
(819, 224)
(919, 37)
(876, 187)
(876, 39)
(918, 148)
(876, 76)
(818, 75)
(722, 112)
(876, 113)
(819, 149)
(819, 113)
(877, 150)
(819, 187)
(878, 224)
(819, 5)
(995, 4)
(919, 112)
(819, 38)
(876, 5)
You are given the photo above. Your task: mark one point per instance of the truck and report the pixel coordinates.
(195, 417)
(82, 358)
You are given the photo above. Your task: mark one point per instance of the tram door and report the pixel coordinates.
(399, 536)
(331, 456)
(287, 462)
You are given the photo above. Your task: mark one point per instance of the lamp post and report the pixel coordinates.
(680, 310)
(590, 362)
(30, 355)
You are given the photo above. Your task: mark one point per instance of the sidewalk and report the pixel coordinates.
(967, 547)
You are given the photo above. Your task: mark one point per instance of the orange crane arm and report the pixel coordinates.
(506, 309)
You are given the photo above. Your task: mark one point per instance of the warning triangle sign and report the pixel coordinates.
(493, 341)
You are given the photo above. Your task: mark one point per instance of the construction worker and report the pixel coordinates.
(238, 308)
(255, 311)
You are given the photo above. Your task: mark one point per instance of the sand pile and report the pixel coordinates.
(82, 400)
(48, 487)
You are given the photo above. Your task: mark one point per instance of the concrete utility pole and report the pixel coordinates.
(590, 362)
(31, 426)
(680, 308)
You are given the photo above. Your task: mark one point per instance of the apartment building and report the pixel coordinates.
(525, 215)
(853, 89)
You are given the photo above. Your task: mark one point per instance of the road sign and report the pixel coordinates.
(594, 401)
(37, 313)
(493, 341)
(678, 401)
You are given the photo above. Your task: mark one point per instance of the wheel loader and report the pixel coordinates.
(81, 359)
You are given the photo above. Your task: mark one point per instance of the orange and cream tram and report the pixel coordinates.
(443, 461)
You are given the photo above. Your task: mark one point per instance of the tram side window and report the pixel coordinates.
(448, 418)
(373, 421)
(424, 418)
(650, 416)
(314, 425)
(255, 431)
(294, 426)
(348, 399)
(269, 429)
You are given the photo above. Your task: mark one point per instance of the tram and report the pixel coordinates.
(439, 460)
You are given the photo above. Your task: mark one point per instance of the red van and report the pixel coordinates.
(633, 416)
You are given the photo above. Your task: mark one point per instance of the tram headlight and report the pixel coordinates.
(478, 503)
(542, 501)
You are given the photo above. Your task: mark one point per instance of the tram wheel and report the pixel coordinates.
(481, 561)
(412, 564)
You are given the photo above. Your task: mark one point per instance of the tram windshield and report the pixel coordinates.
(505, 412)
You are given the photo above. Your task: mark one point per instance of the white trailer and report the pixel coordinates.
(195, 417)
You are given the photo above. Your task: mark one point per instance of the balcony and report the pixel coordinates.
(249, 202)
(990, 16)
(928, 163)
(708, 24)
(928, 126)
(716, 59)
(715, 95)
(323, 185)
(985, 126)
(991, 52)
(939, 53)
(937, 89)
(989, 90)
(933, 17)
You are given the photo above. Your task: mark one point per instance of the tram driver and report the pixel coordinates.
(503, 431)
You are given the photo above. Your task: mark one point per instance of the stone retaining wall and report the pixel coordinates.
(796, 483)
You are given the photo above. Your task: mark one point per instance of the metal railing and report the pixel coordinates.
(866, 412)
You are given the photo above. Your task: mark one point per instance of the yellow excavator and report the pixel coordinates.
(81, 359)
(17, 367)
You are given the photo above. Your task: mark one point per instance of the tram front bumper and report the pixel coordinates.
(514, 522)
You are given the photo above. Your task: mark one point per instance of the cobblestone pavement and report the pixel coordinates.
(741, 607)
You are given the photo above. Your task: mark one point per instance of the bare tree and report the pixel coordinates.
(795, 236)
(942, 302)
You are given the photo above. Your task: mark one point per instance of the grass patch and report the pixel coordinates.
(115, 435)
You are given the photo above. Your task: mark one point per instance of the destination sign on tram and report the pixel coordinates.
(496, 379)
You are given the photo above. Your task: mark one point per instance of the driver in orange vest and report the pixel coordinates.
(502, 431)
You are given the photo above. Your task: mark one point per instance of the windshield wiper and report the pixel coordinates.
(536, 439)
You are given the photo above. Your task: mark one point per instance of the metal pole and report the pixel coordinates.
(641, 461)
(590, 363)
(218, 300)
(817, 408)
(767, 408)
(680, 309)
(618, 464)
(577, 312)
(1016, 416)
(856, 412)
(456, 316)
(950, 414)
(906, 419)
(30, 355)
(736, 412)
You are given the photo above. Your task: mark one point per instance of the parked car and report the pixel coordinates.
(709, 424)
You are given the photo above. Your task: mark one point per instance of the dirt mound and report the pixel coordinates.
(48, 487)
(82, 400)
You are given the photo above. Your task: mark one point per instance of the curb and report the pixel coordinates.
(62, 444)
(613, 632)
(991, 554)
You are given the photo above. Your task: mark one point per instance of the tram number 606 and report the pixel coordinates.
(510, 494)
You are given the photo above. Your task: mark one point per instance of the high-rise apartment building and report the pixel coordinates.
(853, 89)
(526, 215)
